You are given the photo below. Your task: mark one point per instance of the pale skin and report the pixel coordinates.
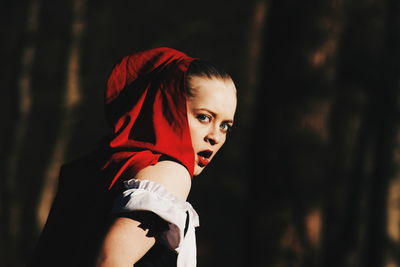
(210, 112)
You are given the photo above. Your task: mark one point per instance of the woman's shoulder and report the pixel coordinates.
(172, 175)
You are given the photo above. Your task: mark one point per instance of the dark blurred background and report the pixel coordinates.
(310, 174)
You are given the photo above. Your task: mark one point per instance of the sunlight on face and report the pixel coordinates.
(211, 110)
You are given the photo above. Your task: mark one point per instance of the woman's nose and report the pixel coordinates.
(213, 137)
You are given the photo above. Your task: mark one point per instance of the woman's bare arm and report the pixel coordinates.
(127, 240)
(124, 244)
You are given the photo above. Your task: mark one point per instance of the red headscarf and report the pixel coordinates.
(145, 103)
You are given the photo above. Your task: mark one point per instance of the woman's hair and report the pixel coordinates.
(202, 68)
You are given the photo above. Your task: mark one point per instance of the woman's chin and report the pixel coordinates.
(197, 170)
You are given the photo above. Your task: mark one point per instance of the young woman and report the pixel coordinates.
(125, 204)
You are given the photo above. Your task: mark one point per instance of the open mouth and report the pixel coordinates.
(204, 157)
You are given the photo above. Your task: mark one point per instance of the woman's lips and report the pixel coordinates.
(204, 157)
(203, 161)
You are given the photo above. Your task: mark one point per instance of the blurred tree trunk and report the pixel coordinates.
(72, 99)
(43, 47)
(379, 250)
(393, 216)
(291, 138)
(251, 70)
(363, 128)
(11, 208)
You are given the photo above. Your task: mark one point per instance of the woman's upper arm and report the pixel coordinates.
(124, 243)
(128, 238)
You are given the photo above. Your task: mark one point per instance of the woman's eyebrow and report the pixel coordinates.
(209, 111)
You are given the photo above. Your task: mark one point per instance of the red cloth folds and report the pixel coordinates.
(145, 104)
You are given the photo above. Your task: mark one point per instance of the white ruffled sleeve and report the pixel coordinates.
(151, 196)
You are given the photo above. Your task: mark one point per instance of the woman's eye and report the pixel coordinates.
(225, 127)
(203, 118)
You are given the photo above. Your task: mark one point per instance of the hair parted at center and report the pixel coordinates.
(203, 68)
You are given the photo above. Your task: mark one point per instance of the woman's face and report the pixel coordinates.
(211, 109)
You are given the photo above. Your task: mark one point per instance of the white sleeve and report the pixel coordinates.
(151, 196)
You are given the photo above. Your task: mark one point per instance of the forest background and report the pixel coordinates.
(310, 174)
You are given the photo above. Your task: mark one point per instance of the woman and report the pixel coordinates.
(126, 203)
